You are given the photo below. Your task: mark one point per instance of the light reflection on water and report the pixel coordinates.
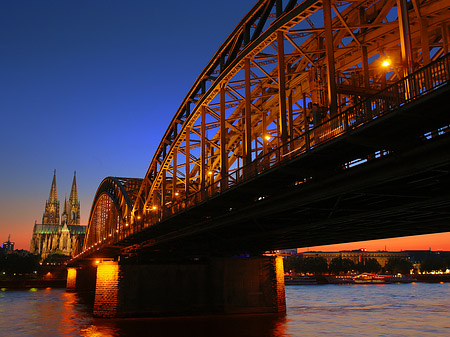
(335, 310)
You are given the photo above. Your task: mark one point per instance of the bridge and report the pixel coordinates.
(315, 122)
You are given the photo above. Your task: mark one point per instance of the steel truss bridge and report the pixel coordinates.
(315, 122)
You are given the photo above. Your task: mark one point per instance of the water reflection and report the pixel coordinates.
(198, 326)
(246, 326)
(333, 310)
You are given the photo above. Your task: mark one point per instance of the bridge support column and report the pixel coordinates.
(80, 279)
(214, 286)
(106, 303)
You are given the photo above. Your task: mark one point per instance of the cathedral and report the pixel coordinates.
(58, 235)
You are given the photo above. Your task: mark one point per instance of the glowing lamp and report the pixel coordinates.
(386, 63)
(267, 137)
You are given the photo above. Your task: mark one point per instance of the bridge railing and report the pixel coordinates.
(406, 90)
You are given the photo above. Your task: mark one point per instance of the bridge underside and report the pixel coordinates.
(401, 187)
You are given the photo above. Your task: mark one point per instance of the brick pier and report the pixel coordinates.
(217, 286)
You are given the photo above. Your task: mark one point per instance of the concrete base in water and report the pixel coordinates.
(217, 286)
(81, 279)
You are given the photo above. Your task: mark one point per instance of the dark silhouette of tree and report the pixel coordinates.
(299, 264)
(14, 263)
(433, 263)
(339, 265)
(315, 265)
(369, 266)
(292, 263)
(447, 262)
(56, 259)
(396, 266)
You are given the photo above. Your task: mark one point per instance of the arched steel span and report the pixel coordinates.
(287, 67)
(278, 85)
(111, 209)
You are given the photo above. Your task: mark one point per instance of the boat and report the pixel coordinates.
(399, 278)
(299, 280)
(340, 279)
(368, 278)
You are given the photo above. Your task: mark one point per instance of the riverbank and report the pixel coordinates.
(32, 283)
(322, 279)
(432, 278)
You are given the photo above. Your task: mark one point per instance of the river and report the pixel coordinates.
(416, 309)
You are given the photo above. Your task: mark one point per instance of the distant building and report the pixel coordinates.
(53, 236)
(8, 246)
(287, 252)
(358, 256)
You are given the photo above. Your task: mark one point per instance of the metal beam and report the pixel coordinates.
(331, 75)
(282, 90)
(223, 141)
(247, 114)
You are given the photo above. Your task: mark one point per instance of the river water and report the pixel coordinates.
(417, 309)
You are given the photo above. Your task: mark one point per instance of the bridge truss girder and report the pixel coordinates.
(286, 68)
(111, 211)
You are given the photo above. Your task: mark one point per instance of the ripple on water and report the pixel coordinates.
(329, 310)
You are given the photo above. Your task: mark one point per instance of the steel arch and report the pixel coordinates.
(110, 212)
(286, 68)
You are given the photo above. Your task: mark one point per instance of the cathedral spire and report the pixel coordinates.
(53, 193)
(73, 193)
(51, 212)
(74, 205)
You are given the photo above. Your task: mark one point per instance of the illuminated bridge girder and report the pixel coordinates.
(110, 212)
(292, 75)
(290, 72)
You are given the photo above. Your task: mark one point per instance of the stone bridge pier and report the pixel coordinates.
(232, 285)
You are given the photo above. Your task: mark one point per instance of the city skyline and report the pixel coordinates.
(91, 86)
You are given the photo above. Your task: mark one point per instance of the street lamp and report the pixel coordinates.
(386, 62)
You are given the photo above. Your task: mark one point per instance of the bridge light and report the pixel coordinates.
(177, 194)
(268, 137)
(210, 173)
(110, 234)
(154, 208)
(138, 217)
(386, 62)
(126, 225)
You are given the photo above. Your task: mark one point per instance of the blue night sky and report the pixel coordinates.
(91, 85)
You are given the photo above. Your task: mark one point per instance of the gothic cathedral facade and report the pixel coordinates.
(59, 235)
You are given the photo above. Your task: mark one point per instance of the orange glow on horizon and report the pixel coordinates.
(435, 242)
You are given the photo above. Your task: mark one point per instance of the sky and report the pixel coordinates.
(91, 86)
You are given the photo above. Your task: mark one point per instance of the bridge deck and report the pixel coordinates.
(405, 191)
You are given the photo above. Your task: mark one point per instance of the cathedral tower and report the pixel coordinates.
(53, 236)
(71, 214)
(51, 213)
